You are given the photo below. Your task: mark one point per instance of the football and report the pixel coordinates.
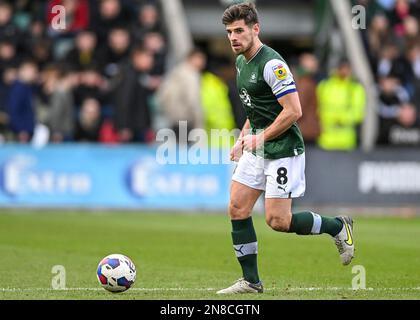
(116, 273)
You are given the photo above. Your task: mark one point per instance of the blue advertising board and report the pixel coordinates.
(96, 176)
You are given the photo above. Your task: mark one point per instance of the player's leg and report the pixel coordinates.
(244, 238)
(278, 213)
(286, 180)
(280, 218)
(247, 186)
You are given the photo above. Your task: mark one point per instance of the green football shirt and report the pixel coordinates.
(261, 81)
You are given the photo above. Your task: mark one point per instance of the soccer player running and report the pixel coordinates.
(268, 93)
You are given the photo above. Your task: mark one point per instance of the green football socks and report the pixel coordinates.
(245, 242)
(246, 248)
(305, 223)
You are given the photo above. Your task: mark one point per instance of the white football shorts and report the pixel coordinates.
(279, 178)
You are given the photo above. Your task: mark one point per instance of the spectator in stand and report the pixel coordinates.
(395, 109)
(111, 14)
(61, 109)
(36, 36)
(388, 61)
(148, 20)
(410, 70)
(413, 72)
(371, 10)
(48, 79)
(41, 52)
(8, 31)
(411, 32)
(306, 85)
(227, 72)
(36, 32)
(8, 55)
(180, 93)
(89, 121)
(216, 104)
(84, 54)
(341, 105)
(8, 76)
(377, 34)
(115, 51)
(91, 84)
(77, 19)
(132, 98)
(155, 42)
(21, 108)
(24, 11)
(401, 10)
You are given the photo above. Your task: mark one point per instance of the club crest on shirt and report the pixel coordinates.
(253, 78)
(280, 72)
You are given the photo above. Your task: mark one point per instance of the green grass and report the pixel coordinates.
(183, 256)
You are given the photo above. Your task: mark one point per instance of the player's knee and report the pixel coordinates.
(237, 212)
(278, 223)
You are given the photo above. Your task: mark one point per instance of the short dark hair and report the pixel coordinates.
(241, 11)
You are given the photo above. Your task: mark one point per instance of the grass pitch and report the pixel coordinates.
(186, 256)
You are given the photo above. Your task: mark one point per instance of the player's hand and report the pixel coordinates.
(237, 150)
(252, 142)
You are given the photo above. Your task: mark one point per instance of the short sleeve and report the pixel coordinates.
(278, 76)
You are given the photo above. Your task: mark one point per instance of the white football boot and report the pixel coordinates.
(344, 240)
(242, 286)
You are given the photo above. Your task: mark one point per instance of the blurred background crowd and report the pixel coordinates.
(107, 78)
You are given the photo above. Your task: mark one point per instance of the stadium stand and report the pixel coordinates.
(53, 77)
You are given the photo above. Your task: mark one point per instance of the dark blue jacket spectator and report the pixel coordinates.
(21, 108)
(21, 102)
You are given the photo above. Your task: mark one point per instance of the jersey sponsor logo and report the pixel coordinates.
(280, 72)
(245, 97)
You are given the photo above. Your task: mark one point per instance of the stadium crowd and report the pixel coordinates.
(392, 43)
(105, 78)
(334, 103)
(92, 81)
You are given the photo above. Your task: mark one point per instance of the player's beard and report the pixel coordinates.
(249, 47)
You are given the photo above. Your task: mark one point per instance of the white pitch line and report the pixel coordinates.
(210, 289)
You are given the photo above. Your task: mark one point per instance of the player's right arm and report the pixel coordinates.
(245, 129)
(237, 150)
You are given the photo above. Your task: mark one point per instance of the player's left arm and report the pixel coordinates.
(280, 79)
(292, 111)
